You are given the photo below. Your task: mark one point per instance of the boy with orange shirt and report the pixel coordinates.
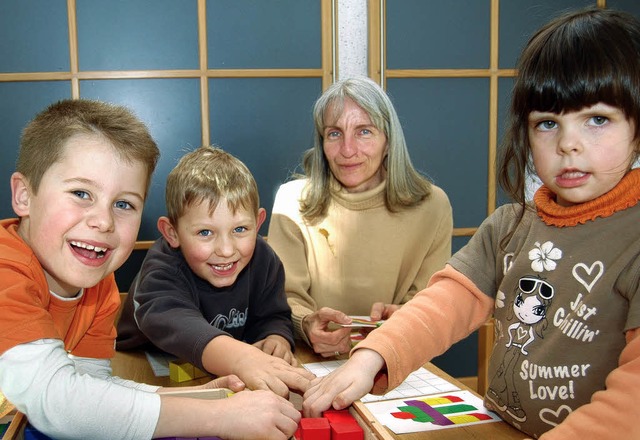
(83, 174)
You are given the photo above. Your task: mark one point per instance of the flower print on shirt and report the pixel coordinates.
(542, 256)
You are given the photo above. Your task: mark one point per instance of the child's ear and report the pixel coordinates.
(262, 216)
(20, 194)
(168, 232)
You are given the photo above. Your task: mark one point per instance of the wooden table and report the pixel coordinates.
(134, 366)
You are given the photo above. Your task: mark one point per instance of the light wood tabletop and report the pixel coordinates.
(134, 365)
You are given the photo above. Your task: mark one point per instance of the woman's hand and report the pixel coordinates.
(381, 310)
(324, 341)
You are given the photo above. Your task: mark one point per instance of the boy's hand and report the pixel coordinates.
(224, 355)
(325, 342)
(343, 386)
(272, 416)
(261, 371)
(276, 345)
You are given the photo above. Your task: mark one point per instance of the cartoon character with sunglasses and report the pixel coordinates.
(532, 300)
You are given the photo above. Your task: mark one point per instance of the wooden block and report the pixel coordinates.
(346, 431)
(180, 371)
(209, 394)
(198, 373)
(339, 416)
(315, 428)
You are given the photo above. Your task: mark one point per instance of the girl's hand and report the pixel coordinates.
(344, 385)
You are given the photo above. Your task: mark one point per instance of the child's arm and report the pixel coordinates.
(61, 402)
(448, 310)
(269, 325)
(612, 413)
(272, 417)
(42, 382)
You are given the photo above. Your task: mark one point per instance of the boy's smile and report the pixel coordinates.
(218, 246)
(83, 222)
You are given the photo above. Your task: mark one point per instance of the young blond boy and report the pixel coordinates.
(83, 174)
(211, 286)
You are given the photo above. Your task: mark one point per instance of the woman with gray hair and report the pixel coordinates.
(362, 230)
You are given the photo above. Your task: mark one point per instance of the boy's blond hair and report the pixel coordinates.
(44, 138)
(210, 174)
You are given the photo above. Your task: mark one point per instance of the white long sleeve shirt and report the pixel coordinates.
(69, 397)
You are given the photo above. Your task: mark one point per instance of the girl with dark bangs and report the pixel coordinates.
(559, 274)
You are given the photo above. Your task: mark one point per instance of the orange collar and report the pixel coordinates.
(625, 195)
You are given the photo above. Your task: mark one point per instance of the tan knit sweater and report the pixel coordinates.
(360, 253)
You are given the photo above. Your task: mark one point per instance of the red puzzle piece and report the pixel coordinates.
(315, 428)
(346, 431)
(339, 416)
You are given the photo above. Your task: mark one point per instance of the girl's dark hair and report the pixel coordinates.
(575, 61)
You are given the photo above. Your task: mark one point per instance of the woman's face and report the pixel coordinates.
(354, 148)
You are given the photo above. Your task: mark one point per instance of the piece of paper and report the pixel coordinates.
(419, 383)
(427, 413)
(159, 361)
(362, 321)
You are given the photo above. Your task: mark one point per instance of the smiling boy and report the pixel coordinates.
(210, 290)
(81, 180)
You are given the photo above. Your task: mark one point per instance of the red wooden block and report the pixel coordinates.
(315, 428)
(346, 431)
(339, 416)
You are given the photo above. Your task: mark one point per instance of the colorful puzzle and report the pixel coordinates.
(427, 413)
(419, 383)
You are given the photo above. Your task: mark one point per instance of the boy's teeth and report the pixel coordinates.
(222, 267)
(88, 246)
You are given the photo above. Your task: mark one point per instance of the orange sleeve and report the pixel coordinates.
(448, 310)
(611, 413)
(97, 332)
(24, 299)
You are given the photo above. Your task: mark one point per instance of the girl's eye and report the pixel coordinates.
(240, 229)
(205, 233)
(122, 204)
(547, 125)
(599, 120)
(81, 194)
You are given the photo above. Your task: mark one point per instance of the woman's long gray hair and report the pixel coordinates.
(405, 186)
